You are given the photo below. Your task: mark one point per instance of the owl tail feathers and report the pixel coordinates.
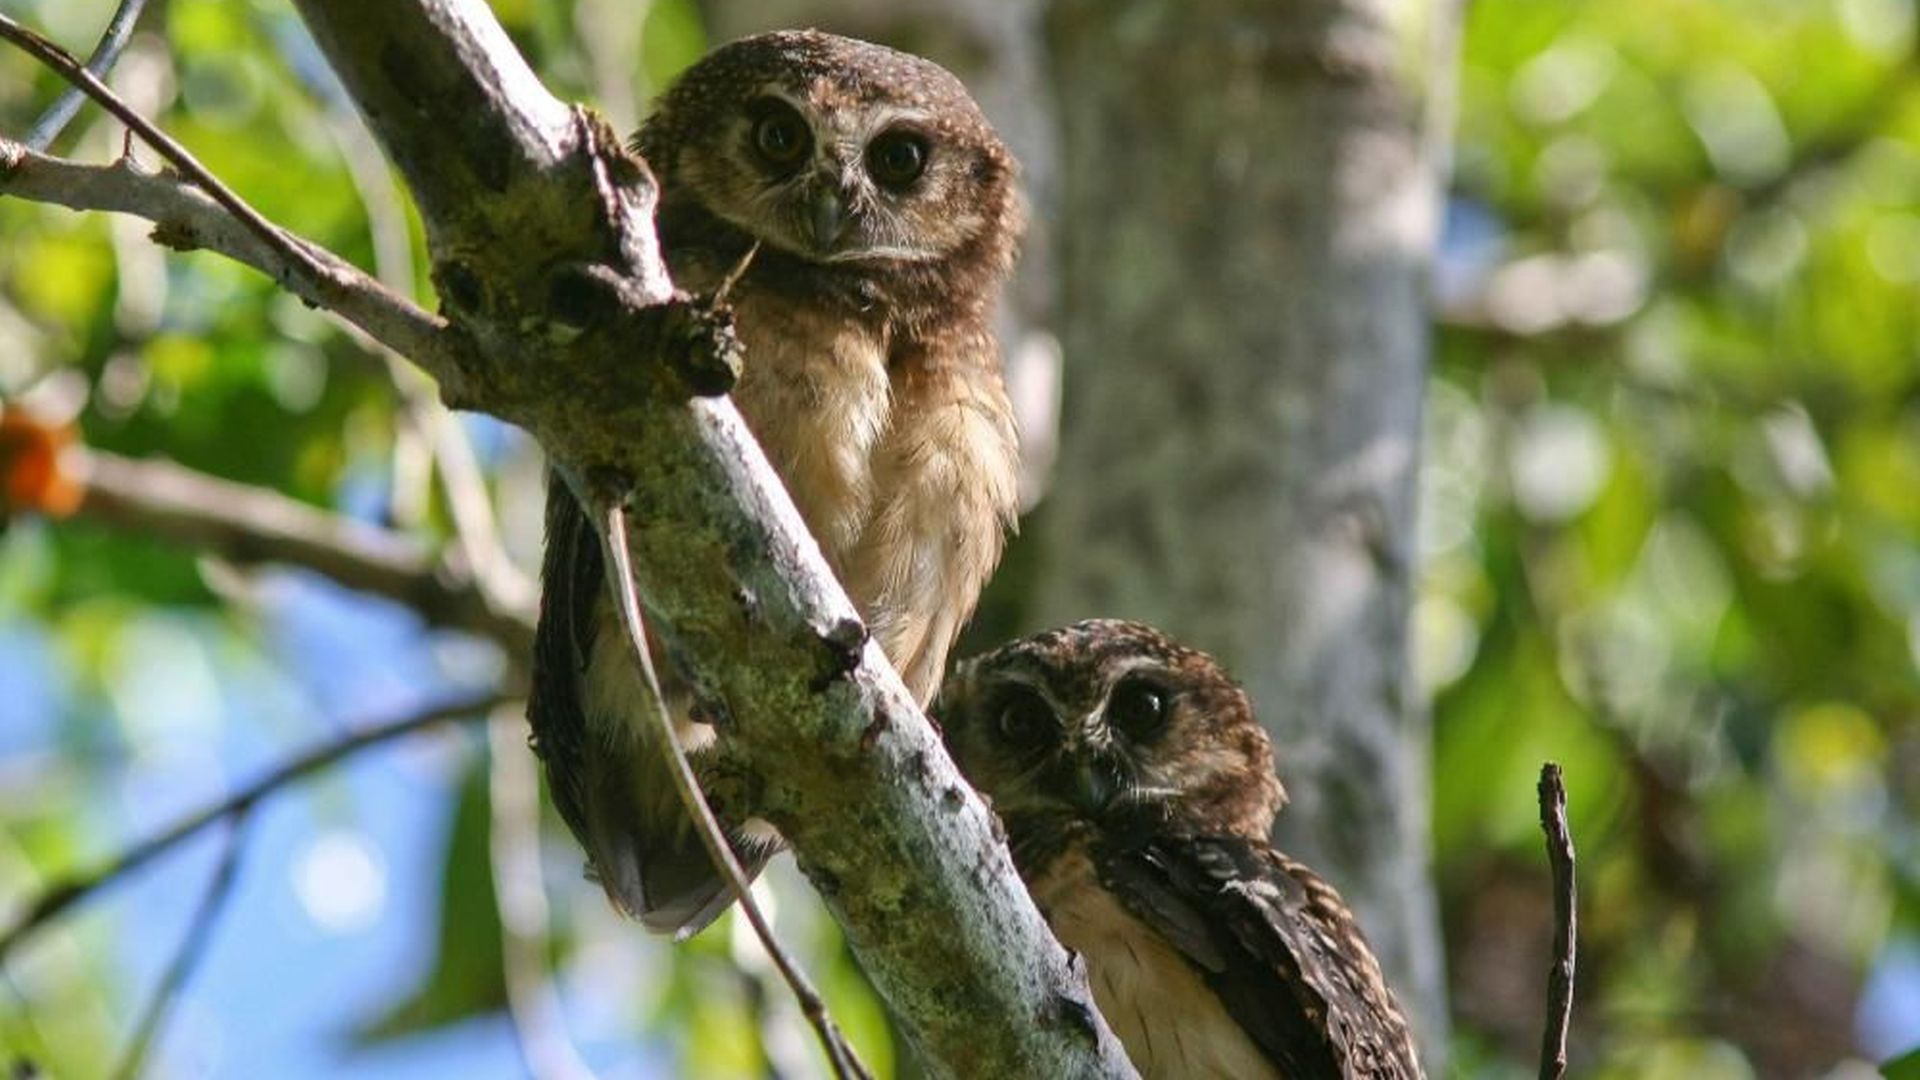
(653, 865)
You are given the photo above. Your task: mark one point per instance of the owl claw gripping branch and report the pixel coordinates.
(885, 213)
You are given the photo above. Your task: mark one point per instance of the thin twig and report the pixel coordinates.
(313, 272)
(247, 524)
(192, 947)
(734, 275)
(113, 40)
(840, 1055)
(64, 894)
(189, 218)
(185, 217)
(178, 156)
(1553, 821)
(476, 529)
(384, 206)
(443, 439)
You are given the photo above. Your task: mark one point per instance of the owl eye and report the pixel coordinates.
(780, 136)
(1138, 708)
(1023, 718)
(897, 158)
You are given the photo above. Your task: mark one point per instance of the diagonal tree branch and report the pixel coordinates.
(247, 524)
(565, 322)
(64, 894)
(186, 218)
(840, 1054)
(113, 41)
(213, 901)
(86, 81)
(539, 227)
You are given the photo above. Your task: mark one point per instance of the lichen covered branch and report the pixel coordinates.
(846, 1064)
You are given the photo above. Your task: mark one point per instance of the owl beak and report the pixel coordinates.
(1091, 788)
(829, 219)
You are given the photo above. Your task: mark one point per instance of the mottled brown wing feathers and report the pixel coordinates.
(1277, 945)
(606, 776)
(571, 579)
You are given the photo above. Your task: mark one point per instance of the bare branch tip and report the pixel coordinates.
(734, 275)
(1560, 976)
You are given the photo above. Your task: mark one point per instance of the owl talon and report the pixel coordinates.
(845, 640)
(703, 349)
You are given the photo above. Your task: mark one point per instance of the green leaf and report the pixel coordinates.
(1904, 1067)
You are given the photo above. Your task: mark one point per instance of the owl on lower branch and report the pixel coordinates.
(1137, 792)
(881, 213)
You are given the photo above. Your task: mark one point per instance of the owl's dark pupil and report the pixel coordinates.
(896, 159)
(779, 137)
(1138, 708)
(1024, 717)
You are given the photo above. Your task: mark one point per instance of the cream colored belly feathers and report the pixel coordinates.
(1172, 1025)
(911, 517)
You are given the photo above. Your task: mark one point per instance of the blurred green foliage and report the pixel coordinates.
(1670, 529)
(1672, 525)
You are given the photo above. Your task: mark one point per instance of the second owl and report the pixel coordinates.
(1137, 791)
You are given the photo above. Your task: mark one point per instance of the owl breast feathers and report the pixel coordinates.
(1138, 791)
(881, 213)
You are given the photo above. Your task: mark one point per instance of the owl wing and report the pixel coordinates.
(609, 781)
(1277, 945)
(571, 585)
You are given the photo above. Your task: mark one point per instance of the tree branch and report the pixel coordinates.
(65, 894)
(247, 524)
(436, 436)
(539, 226)
(83, 79)
(185, 218)
(113, 41)
(213, 900)
(840, 1056)
(1553, 821)
(565, 322)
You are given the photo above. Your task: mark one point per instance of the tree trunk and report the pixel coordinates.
(1248, 210)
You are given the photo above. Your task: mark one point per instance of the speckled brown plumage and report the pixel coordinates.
(871, 379)
(1138, 792)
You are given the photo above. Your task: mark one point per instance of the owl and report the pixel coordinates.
(1137, 793)
(876, 214)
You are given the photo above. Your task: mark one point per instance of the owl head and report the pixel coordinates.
(836, 151)
(1113, 725)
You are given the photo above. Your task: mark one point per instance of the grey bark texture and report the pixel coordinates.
(560, 318)
(1248, 209)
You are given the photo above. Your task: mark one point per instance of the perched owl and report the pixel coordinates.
(886, 217)
(1137, 792)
